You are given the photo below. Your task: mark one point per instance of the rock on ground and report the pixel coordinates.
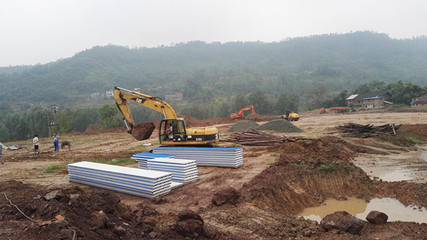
(377, 217)
(342, 221)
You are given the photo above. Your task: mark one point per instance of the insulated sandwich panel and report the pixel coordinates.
(217, 157)
(183, 170)
(140, 182)
(142, 158)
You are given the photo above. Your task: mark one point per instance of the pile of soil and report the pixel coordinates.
(92, 129)
(310, 172)
(280, 125)
(243, 125)
(74, 213)
(418, 131)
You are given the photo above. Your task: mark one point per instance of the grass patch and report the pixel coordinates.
(300, 165)
(412, 140)
(121, 161)
(54, 168)
(325, 167)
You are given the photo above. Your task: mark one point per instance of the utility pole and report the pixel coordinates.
(53, 124)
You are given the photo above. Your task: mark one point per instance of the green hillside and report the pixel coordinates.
(201, 70)
(215, 80)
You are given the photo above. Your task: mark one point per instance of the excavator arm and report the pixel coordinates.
(121, 96)
(240, 113)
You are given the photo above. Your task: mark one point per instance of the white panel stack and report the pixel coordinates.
(183, 171)
(139, 182)
(216, 157)
(142, 158)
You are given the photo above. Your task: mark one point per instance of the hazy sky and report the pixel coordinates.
(41, 31)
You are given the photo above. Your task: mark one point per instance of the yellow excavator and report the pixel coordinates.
(172, 130)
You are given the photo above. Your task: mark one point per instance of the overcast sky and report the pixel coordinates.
(41, 31)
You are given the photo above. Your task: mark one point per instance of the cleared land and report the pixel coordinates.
(275, 183)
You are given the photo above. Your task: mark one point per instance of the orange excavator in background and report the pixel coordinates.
(240, 113)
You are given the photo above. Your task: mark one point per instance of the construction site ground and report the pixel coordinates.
(275, 184)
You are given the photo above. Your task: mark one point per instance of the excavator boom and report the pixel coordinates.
(121, 96)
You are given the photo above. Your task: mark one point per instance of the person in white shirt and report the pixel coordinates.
(36, 144)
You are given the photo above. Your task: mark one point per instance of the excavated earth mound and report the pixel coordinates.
(306, 174)
(92, 129)
(418, 131)
(279, 125)
(310, 172)
(74, 213)
(243, 125)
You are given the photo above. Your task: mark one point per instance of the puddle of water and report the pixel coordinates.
(395, 210)
(351, 205)
(394, 174)
(395, 167)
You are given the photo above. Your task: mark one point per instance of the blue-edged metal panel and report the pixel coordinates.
(123, 190)
(198, 148)
(146, 183)
(217, 157)
(118, 169)
(183, 170)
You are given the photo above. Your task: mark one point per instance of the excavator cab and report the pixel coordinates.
(172, 130)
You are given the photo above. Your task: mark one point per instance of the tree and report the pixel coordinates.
(109, 116)
(65, 121)
(260, 102)
(369, 87)
(316, 96)
(239, 102)
(403, 93)
(287, 102)
(36, 121)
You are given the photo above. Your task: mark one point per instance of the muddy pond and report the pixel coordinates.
(360, 208)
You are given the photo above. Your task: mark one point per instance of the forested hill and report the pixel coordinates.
(203, 71)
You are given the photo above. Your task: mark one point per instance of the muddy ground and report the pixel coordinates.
(263, 197)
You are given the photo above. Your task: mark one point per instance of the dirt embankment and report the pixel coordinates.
(310, 172)
(76, 213)
(307, 174)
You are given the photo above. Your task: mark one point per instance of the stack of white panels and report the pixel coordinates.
(183, 171)
(142, 158)
(215, 157)
(139, 182)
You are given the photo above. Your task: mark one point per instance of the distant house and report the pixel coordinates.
(419, 101)
(109, 93)
(174, 96)
(369, 100)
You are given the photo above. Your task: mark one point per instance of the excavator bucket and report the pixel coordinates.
(143, 130)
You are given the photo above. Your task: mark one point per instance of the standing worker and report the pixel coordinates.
(56, 141)
(36, 144)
